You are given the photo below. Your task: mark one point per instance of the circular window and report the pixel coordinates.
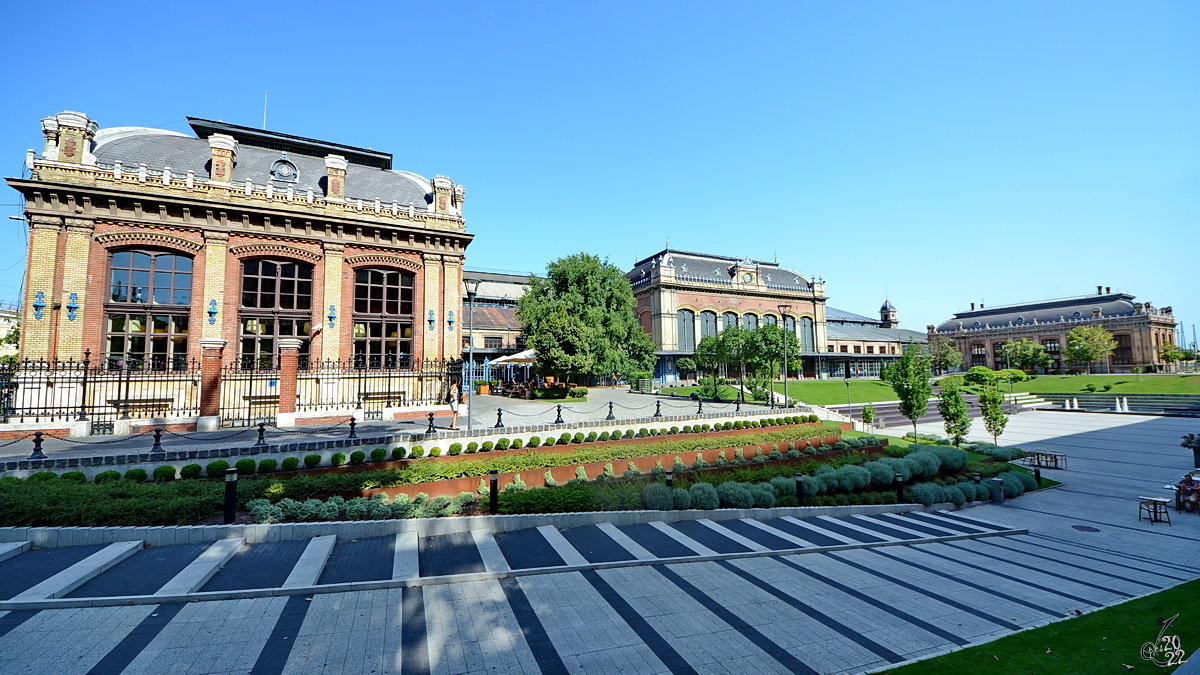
(748, 277)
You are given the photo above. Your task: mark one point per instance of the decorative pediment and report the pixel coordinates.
(147, 238)
(384, 260)
(275, 249)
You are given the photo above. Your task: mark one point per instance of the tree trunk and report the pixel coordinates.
(914, 431)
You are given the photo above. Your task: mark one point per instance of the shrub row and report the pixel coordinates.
(378, 507)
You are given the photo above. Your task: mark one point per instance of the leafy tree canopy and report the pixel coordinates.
(1025, 354)
(954, 413)
(943, 353)
(991, 403)
(596, 296)
(1089, 344)
(909, 377)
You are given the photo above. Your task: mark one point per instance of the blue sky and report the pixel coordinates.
(938, 153)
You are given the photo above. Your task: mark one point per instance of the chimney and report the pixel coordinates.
(335, 178)
(443, 188)
(1107, 290)
(1098, 289)
(972, 307)
(224, 153)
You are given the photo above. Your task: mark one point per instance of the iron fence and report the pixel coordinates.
(103, 392)
(332, 385)
(249, 394)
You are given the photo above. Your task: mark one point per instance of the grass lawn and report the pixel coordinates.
(833, 392)
(728, 393)
(1105, 641)
(1121, 384)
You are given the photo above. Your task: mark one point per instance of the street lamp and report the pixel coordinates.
(783, 310)
(472, 286)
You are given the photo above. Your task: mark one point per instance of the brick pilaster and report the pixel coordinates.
(210, 377)
(289, 352)
(74, 264)
(216, 250)
(432, 302)
(331, 344)
(39, 278)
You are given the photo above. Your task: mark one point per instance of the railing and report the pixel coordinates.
(374, 383)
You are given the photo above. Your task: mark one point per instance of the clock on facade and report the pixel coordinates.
(748, 278)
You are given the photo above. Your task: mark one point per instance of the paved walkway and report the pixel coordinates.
(820, 595)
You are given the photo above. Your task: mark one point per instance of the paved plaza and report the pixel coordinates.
(822, 594)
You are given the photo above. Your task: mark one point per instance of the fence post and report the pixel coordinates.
(87, 356)
(289, 355)
(210, 384)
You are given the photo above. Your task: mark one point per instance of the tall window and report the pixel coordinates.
(686, 328)
(808, 339)
(729, 320)
(978, 355)
(276, 303)
(383, 318)
(750, 322)
(769, 320)
(146, 313)
(999, 355)
(708, 324)
(1123, 353)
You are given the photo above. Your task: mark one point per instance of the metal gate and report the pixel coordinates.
(249, 395)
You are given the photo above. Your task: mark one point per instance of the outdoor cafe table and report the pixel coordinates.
(1046, 459)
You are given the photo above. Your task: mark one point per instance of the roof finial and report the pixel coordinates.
(668, 243)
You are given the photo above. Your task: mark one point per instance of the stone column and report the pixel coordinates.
(39, 286)
(452, 286)
(224, 152)
(69, 342)
(216, 251)
(210, 384)
(331, 303)
(335, 178)
(289, 353)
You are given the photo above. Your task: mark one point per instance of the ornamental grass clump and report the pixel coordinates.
(735, 495)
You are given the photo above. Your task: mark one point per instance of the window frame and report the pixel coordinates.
(381, 333)
(177, 315)
(259, 325)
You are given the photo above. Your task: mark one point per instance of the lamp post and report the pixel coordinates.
(472, 286)
(783, 310)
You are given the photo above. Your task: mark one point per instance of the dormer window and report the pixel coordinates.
(1020, 320)
(284, 170)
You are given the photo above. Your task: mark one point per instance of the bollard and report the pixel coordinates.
(611, 416)
(262, 430)
(699, 406)
(738, 407)
(352, 425)
(899, 489)
(977, 479)
(499, 418)
(37, 446)
(493, 491)
(157, 440)
(997, 490)
(1037, 475)
(431, 428)
(231, 484)
(658, 408)
(670, 479)
(559, 419)
(799, 489)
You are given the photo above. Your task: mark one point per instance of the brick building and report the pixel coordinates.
(1139, 328)
(156, 249)
(860, 346)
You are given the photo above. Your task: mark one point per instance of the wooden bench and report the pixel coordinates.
(1155, 509)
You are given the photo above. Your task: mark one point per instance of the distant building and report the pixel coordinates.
(495, 327)
(1139, 328)
(861, 346)
(10, 320)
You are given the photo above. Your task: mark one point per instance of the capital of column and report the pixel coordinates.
(290, 343)
(80, 225)
(212, 343)
(332, 247)
(215, 236)
(39, 222)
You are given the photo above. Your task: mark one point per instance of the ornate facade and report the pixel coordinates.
(1139, 328)
(145, 245)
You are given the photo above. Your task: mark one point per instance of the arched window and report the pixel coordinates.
(729, 320)
(686, 330)
(276, 303)
(750, 322)
(789, 324)
(146, 313)
(770, 320)
(708, 324)
(383, 318)
(808, 339)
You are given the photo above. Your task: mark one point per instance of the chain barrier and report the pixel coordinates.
(547, 412)
(23, 438)
(218, 438)
(602, 406)
(115, 440)
(312, 431)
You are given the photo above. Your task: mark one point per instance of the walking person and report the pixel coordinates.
(452, 399)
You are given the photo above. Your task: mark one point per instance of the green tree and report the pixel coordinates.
(991, 403)
(1172, 354)
(1025, 354)
(734, 344)
(708, 360)
(564, 345)
(764, 351)
(1089, 344)
(943, 354)
(954, 413)
(597, 295)
(909, 377)
(868, 413)
(686, 365)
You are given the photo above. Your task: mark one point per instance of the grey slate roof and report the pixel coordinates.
(1043, 311)
(715, 269)
(872, 333)
(157, 148)
(840, 316)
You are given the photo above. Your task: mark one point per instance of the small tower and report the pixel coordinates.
(887, 315)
